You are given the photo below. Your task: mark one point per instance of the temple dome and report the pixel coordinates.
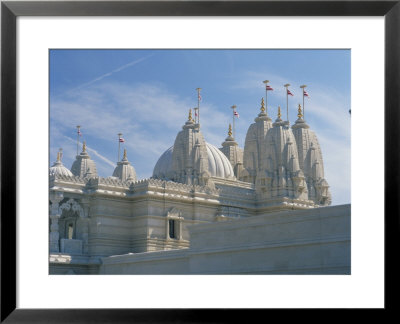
(59, 169)
(218, 164)
(311, 162)
(255, 146)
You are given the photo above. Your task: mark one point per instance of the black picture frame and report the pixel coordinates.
(10, 10)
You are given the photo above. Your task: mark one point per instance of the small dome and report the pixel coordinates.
(83, 166)
(218, 164)
(124, 170)
(59, 169)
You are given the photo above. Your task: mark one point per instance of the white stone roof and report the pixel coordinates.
(218, 164)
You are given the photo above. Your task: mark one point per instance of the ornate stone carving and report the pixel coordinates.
(72, 205)
(55, 214)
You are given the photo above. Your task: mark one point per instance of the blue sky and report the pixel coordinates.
(146, 95)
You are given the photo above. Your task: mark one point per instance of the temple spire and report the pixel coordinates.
(279, 112)
(84, 147)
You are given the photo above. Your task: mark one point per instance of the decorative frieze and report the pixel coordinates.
(55, 214)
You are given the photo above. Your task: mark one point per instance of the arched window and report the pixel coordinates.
(172, 232)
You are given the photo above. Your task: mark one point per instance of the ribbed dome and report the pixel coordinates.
(218, 163)
(59, 169)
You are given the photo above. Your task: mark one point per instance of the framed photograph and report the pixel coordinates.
(197, 150)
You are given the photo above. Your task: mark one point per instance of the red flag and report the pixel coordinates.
(306, 94)
(195, 113)
(268, 88)
(289, 93)
(236, 114)
(121, 140)
(199, 96)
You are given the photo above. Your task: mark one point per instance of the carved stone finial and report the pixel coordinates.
(279, 112)
(84, 147)
(124, 157)
(190, 115)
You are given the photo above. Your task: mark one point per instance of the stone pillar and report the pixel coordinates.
(54, 236)
(180, 228)
(85, 224)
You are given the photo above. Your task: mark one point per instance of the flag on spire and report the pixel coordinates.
(306, 94)
(199, 96)
(236, 114)
(289, 93)
(121, 140)
(268, 88)
(79, 132)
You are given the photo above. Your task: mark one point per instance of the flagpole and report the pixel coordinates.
(266, 95)
(77, 140)
(119, 143)
(303, 86)
(233, 120)
(198, 105)
(287, 101)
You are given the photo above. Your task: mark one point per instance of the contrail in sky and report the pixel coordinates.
(95, 153)
(121, 68)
